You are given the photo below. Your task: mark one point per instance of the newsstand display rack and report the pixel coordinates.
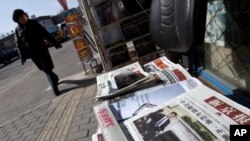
(121, 33)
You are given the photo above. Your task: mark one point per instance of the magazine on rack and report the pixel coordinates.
(200, 114)
(132, 104)
(120, 80)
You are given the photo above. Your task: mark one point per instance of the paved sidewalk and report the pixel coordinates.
(67, 118)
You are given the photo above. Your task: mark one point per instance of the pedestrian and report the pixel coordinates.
(30, 39)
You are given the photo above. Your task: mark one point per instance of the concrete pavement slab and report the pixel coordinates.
(67, 117)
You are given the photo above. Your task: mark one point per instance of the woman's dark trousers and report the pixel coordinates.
(53, 80)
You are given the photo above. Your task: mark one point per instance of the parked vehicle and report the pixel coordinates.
(7, 54)
(63, 27)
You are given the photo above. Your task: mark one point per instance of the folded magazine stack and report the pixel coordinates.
(161, 101)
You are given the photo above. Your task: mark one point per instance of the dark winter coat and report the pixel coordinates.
(157, 117)
(30, 41)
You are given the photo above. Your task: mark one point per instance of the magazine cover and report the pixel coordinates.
(111, 130)
(116, 81)
(158, 65)
(132, 104)
(200, 114)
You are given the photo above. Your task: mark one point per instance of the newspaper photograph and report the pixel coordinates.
(172, 75)
(110, 128)
(137, 102)
(158, 65)
(98, 135)
(167, 76)
(119, 80)
(201, 114)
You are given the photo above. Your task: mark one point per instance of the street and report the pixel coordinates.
(23, 88)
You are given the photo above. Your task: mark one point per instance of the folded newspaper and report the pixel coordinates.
(120, 80)
(109, 115)
(134, 103)
(110, 128)
(201, 114)
(133, 77)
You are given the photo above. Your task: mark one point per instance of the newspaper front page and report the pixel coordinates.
(158, 65)
(201, 114)
(134, 103)
(110, 128)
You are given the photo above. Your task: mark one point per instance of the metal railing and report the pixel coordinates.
(227, 45)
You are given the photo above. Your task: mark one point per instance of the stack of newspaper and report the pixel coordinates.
(200, 114)
(179, 109)
(133, 77)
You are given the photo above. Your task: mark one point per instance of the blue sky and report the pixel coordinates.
(32, 7)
